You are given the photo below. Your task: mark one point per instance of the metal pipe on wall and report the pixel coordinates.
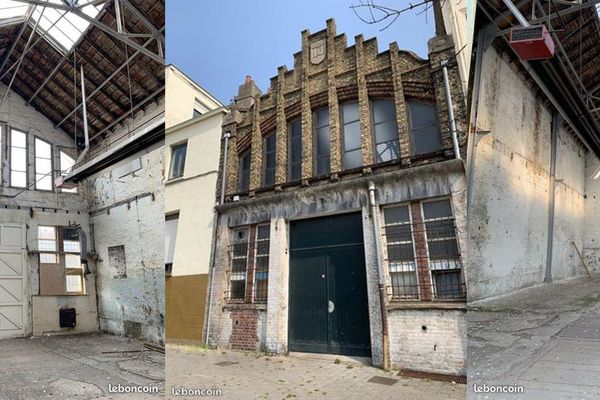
(450, 110)
(381, 283)
(84, 117)
(556, 120)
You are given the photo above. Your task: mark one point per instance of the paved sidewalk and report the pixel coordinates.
(77, 367)
(247, 376)
(545, 339)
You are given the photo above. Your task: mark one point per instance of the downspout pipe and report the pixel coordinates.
(450, 110)
(556, 121)
(381, 284)
(213, 250)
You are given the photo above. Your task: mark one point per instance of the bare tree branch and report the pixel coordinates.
(379, 13)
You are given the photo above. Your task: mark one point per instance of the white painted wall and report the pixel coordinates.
(508, 231)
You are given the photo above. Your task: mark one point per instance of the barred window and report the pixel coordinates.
(261, 264)
(239, 264)
(424, 127)
(269, 143)
(295, 150)
(386, 130)
(244, 168)
(401, 254)
(444, 256)
(351, 134)
(321, 141)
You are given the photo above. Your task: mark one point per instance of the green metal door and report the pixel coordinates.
(328, 308)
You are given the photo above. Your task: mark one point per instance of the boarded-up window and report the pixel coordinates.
(321, 143)
(18, 159)
(351, 134)
(424, 127)
(117, 261)
(43, 165)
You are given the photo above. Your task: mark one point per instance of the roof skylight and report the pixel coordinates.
(63, 28)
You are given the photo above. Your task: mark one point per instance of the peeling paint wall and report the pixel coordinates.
(132, 301)
(508, 233)
(591, 244)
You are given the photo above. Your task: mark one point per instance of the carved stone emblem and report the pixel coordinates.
(317, 51)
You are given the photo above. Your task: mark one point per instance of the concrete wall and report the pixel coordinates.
(591, 244)
(441, 347)
(511, 187)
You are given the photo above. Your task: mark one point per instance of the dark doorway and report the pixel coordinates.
(328, 310)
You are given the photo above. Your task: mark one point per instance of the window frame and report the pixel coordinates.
(429, 260)
(372, 101)
(291, 150)
(343, 135)
(413, 151)
(256, 256)
(35, 164)
(247, 228)
(316, 157)
(63, 174)
(170, 217)
(174, 147)
(414, 248)
(241, 156)
(10, 159)
(72, 271)
(271, 135)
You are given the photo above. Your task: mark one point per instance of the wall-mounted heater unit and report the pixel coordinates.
(532, 42)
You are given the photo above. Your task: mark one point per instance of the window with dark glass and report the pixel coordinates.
(444, 257)
(269, 144)
(244, 168)
(351, 135)
(424, 127)
(321, 141)
(178, 153)
(295, 150)
(401, 255)
(261, 263)
(239, 264)
(385, 128)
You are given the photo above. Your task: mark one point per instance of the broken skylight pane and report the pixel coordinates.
(64, 27)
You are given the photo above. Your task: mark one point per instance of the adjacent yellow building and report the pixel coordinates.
(193, 120)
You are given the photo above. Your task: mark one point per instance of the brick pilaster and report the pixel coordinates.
(400, 102)
(281, 162)
(307, 134)
(422, 258)
(257, 148)
(366, 138)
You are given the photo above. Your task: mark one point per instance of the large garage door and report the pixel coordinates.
(328, 288)
(12, 280)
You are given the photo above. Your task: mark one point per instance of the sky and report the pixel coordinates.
(218, 43)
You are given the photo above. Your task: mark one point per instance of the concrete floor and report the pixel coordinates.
(546, 339)
(77, 367)
(248, 376)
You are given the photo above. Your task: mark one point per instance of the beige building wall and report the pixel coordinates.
(183, 95)
(455, 21)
